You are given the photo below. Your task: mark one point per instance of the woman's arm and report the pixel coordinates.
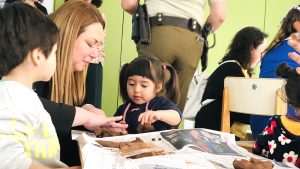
(64, 117)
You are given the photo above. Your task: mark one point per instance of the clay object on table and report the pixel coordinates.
(107, 132)
(145, 128)
(252, 164)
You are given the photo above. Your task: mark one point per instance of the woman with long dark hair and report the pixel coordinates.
(243, 54)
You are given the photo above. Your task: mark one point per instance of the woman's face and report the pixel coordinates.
(85, 47)
(256, 54)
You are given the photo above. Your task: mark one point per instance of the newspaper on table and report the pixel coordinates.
(183, 149)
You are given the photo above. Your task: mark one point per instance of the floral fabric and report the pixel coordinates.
(277, 143)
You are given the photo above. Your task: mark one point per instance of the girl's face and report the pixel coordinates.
(256, 54)
(85, 47)
(141, 89)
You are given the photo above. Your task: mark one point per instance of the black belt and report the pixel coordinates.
(190, 24)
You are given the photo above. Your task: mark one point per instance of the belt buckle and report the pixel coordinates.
(192, 24)
(159, 19)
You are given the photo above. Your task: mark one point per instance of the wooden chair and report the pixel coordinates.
(256, 96)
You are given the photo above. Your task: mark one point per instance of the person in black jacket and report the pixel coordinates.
(243, 54)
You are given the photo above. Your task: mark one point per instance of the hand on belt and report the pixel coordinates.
(190, 24)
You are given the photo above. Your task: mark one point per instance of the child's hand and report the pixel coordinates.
(149, 117)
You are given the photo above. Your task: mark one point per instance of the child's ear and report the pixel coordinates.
(158, 87)
(37, 56)
(296, 25)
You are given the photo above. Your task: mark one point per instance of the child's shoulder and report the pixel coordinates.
(163, 103)
(14, 91)
(291, 125)
(161, 99)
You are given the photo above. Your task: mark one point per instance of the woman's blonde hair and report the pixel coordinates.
(71, 18)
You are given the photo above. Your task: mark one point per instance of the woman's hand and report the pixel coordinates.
(104, 121)
(96, 121)
(93, 118)
(91, 108)
(119, 127)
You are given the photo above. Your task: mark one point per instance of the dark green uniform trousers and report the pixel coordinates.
(179, 47)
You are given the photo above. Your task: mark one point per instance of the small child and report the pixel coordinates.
(28, 43)
(280, 140)
(140, 82)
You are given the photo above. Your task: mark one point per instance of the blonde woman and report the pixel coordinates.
(81, 33)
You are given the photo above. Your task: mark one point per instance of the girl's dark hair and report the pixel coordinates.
(243, 42)
(153, 70)
(291, 87)
(23, 28)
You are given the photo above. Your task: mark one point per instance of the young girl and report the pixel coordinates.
(280, 140)
(140, 82)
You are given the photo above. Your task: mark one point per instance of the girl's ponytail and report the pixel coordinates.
(171, 87)
(123, 82)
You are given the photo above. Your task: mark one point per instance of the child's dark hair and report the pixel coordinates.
(153, 70)
(292, 89)
(96, 3)
(23, 28)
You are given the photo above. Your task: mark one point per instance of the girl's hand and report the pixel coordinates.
(149, 117)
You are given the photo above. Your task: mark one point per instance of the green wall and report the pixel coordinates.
(119, 48)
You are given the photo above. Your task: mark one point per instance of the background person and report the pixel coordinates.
(243, 54)
(174, 40)
(276, 53)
